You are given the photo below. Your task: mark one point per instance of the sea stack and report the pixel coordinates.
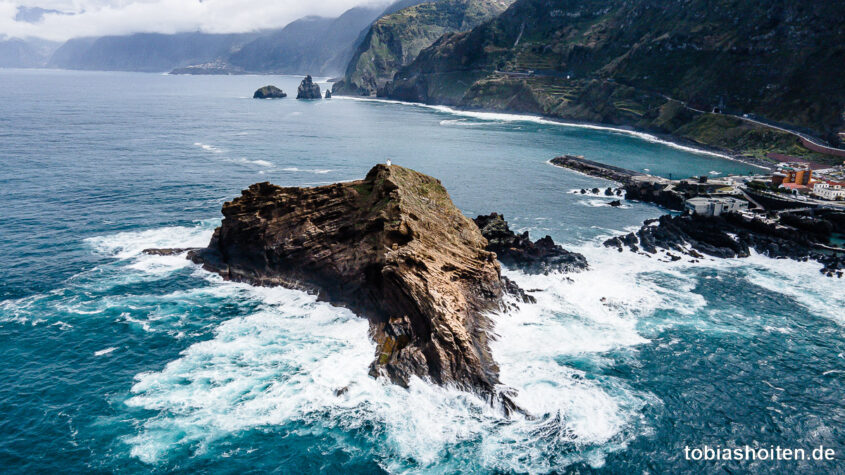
(308, 89)
(269, 92)
(391, 247)
(517, 250)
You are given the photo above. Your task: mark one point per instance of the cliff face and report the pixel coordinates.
(308, 89)
(616, 61)
(391, 247)
(395, 39)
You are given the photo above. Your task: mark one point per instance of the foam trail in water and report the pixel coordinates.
(208, 148)
(802, 281)
(319, 171)
(90, 293)
(503, 117)
(283, 365)
(130, 244)
(263, 163)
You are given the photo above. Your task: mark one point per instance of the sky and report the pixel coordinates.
(67, 19)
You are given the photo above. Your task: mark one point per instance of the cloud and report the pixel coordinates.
(60, 20)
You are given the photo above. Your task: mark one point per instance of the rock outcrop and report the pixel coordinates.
(269, 92)
(518, 251)
(308, 89)
(396, 38)
(391, 247)
(732, 235)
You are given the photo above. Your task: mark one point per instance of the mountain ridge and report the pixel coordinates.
(649, 65)
(396, 39)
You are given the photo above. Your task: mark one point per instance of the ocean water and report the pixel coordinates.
(115, 361)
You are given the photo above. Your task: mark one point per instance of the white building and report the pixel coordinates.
(715, 206)
(829, 191)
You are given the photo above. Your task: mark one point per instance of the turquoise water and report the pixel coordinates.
(114, 361)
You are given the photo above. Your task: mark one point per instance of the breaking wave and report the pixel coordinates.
(289, 361)
(318, 171)
(504, 117)
(208, 148)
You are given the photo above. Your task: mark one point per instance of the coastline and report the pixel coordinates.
(663, 139)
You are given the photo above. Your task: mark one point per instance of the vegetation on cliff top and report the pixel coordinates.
(395, 39)
(620, 62)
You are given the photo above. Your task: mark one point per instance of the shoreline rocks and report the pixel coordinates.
(308, 89)
(732, 235)
(637, 186)
(517, 250)
(269, 92)
(392, 248)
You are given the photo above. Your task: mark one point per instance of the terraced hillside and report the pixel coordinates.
(659, 65)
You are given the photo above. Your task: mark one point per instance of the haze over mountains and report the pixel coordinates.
(657, 65)
(313, 45)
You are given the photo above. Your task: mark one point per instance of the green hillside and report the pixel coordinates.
(620, 62)
(396, 39)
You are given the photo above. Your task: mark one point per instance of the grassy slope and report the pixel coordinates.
(777, 59)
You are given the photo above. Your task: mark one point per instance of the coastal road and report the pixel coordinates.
(814, 141)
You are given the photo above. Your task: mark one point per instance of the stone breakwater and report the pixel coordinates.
(637, 186)
(802, 236)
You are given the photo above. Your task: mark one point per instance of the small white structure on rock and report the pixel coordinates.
(715, 206)
(388, 162)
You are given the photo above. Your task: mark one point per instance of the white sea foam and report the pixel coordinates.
(208, 148)
(284, 363)
(503, 117)
(263, 163)
(461, 123)
(319, 171)
(105, 351)
(802, 282)
(602, 203)
(130, 244)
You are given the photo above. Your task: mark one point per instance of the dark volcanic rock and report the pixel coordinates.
(654, 192)
(637, 186)
(269, 92)
(733, 235)
(308, 89)
(615, 203)
(391, 247)
(517, 250)
(168, 251)
(328, 93)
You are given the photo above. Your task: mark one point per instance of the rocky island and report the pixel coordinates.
(308, 89)
(269, 92)
(392, 248)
